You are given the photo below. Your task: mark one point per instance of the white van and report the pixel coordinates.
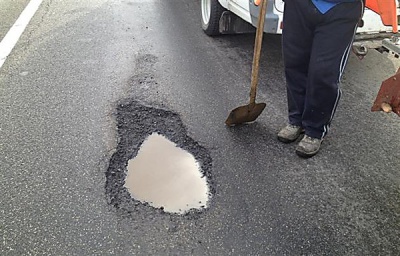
(240, 16)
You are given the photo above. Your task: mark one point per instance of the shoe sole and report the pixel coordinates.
(306, 155)
(286, 140)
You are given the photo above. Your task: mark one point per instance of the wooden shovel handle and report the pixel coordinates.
(257, 52)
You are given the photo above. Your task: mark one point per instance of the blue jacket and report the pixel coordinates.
(342, 1)
(325, 5)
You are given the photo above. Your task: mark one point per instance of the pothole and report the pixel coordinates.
(166, 176)
(157, 165)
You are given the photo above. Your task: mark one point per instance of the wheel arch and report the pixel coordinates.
(224, 3)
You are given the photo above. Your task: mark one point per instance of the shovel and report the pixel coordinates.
(388, 98)
(250, 112)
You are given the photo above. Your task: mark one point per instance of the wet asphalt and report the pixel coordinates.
(81, 69)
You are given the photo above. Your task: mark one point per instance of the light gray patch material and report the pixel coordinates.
(166, 176)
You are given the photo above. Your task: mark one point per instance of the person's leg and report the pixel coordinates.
(331, 46)
(297, 38)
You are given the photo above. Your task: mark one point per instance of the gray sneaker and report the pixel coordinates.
(308, 146)
(290, 133)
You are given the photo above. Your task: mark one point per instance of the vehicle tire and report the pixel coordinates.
(211, 11)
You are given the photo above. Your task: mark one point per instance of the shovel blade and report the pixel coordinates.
(388, 98)
(245, 114)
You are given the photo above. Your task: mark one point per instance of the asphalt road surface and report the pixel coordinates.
(88, 78)
(9, 12)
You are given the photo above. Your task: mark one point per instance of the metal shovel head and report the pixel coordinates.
(389, 95)
(245, 114)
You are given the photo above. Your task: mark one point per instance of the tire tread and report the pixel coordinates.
(212, 28)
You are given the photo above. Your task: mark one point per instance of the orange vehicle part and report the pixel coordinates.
(387, 9)
(388, 98)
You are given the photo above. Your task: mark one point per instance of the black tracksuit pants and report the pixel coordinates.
(315, 49)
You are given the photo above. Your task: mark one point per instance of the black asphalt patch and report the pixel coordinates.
(135, 122)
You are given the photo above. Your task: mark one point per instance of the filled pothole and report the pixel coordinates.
(157, 164)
